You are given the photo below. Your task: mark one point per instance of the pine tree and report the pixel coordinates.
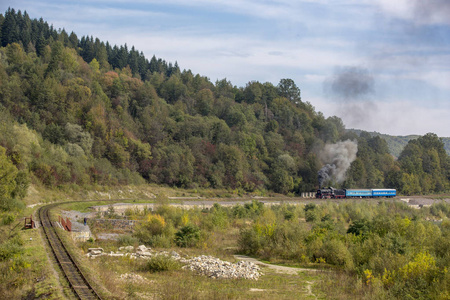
(10, 32)
(73, 40)
(143, 65)
(133, 61)
(101, 53)
(25, 29)
(40, 44)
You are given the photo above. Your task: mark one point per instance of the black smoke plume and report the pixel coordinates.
(350, 83)
(431, 11)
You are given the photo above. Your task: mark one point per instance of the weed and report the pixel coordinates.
(162, 263)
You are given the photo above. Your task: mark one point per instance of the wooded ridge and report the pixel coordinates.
(81, 111)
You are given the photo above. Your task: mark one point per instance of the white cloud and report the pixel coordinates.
(315, 78)
(420, 12)
(396, 117)
(273, 39)
(437, 78)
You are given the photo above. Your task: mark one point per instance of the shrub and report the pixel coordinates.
(155, 231)
(155, 224)
(187, 236)
(127, 240)
(239, 211)
(335, 252)
(161, 241)
(8, 218)
(11, 248)
(161, 263)
(249, 241)
(311, 215)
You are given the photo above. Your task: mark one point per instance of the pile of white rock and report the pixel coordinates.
(141, 252)
(203, 265)
(216, 268)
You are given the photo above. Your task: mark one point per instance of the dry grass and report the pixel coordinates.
(29, 275)
(179, 284)
(183, 284)
(343, 286)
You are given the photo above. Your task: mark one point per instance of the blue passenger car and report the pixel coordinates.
(358, 193)
(384, 193)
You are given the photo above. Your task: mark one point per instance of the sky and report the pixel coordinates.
(379, 65)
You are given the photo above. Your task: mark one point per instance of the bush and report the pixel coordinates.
(249, 241)
(155, 232)
(187, 236)
(8, 218)
(311, 215)
(161, 241)
(335, 252)
(155, 224)
(127, 240)
(161, 263)
(11, 248)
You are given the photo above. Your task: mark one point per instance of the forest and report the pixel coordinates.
(79, 111)
(80, 114)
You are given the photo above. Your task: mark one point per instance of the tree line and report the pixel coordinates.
(80, 111)
(35, 35)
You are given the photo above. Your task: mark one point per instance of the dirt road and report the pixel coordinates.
(278, 269)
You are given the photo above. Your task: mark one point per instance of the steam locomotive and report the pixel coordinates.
(332, 193)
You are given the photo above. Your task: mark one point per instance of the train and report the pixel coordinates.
(332, 193)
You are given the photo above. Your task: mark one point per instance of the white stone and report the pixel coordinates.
(116, 254)
(142, 248)
(126, 248)
(95, 249)
(95, 252)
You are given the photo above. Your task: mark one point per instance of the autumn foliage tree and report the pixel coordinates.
(105, 114)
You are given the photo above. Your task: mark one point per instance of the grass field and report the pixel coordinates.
(27, 270)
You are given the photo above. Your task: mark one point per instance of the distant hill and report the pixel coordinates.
(397, 143)
(81, 111)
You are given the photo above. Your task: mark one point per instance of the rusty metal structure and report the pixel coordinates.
(66, 224)
(29, 223)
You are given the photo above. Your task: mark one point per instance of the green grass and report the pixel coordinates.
(46, 284)
(28, 273)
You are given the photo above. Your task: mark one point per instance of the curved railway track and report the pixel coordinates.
(78, 282)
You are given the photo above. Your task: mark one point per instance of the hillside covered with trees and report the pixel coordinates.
(81, 111)
(396, 144)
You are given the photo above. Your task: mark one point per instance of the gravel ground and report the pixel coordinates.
(108, 236)
(74, 216)
(411, 200)
(278, 269)
(422, 200)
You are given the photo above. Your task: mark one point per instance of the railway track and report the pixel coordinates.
(78, 282)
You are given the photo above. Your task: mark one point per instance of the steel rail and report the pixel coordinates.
(77, 280)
